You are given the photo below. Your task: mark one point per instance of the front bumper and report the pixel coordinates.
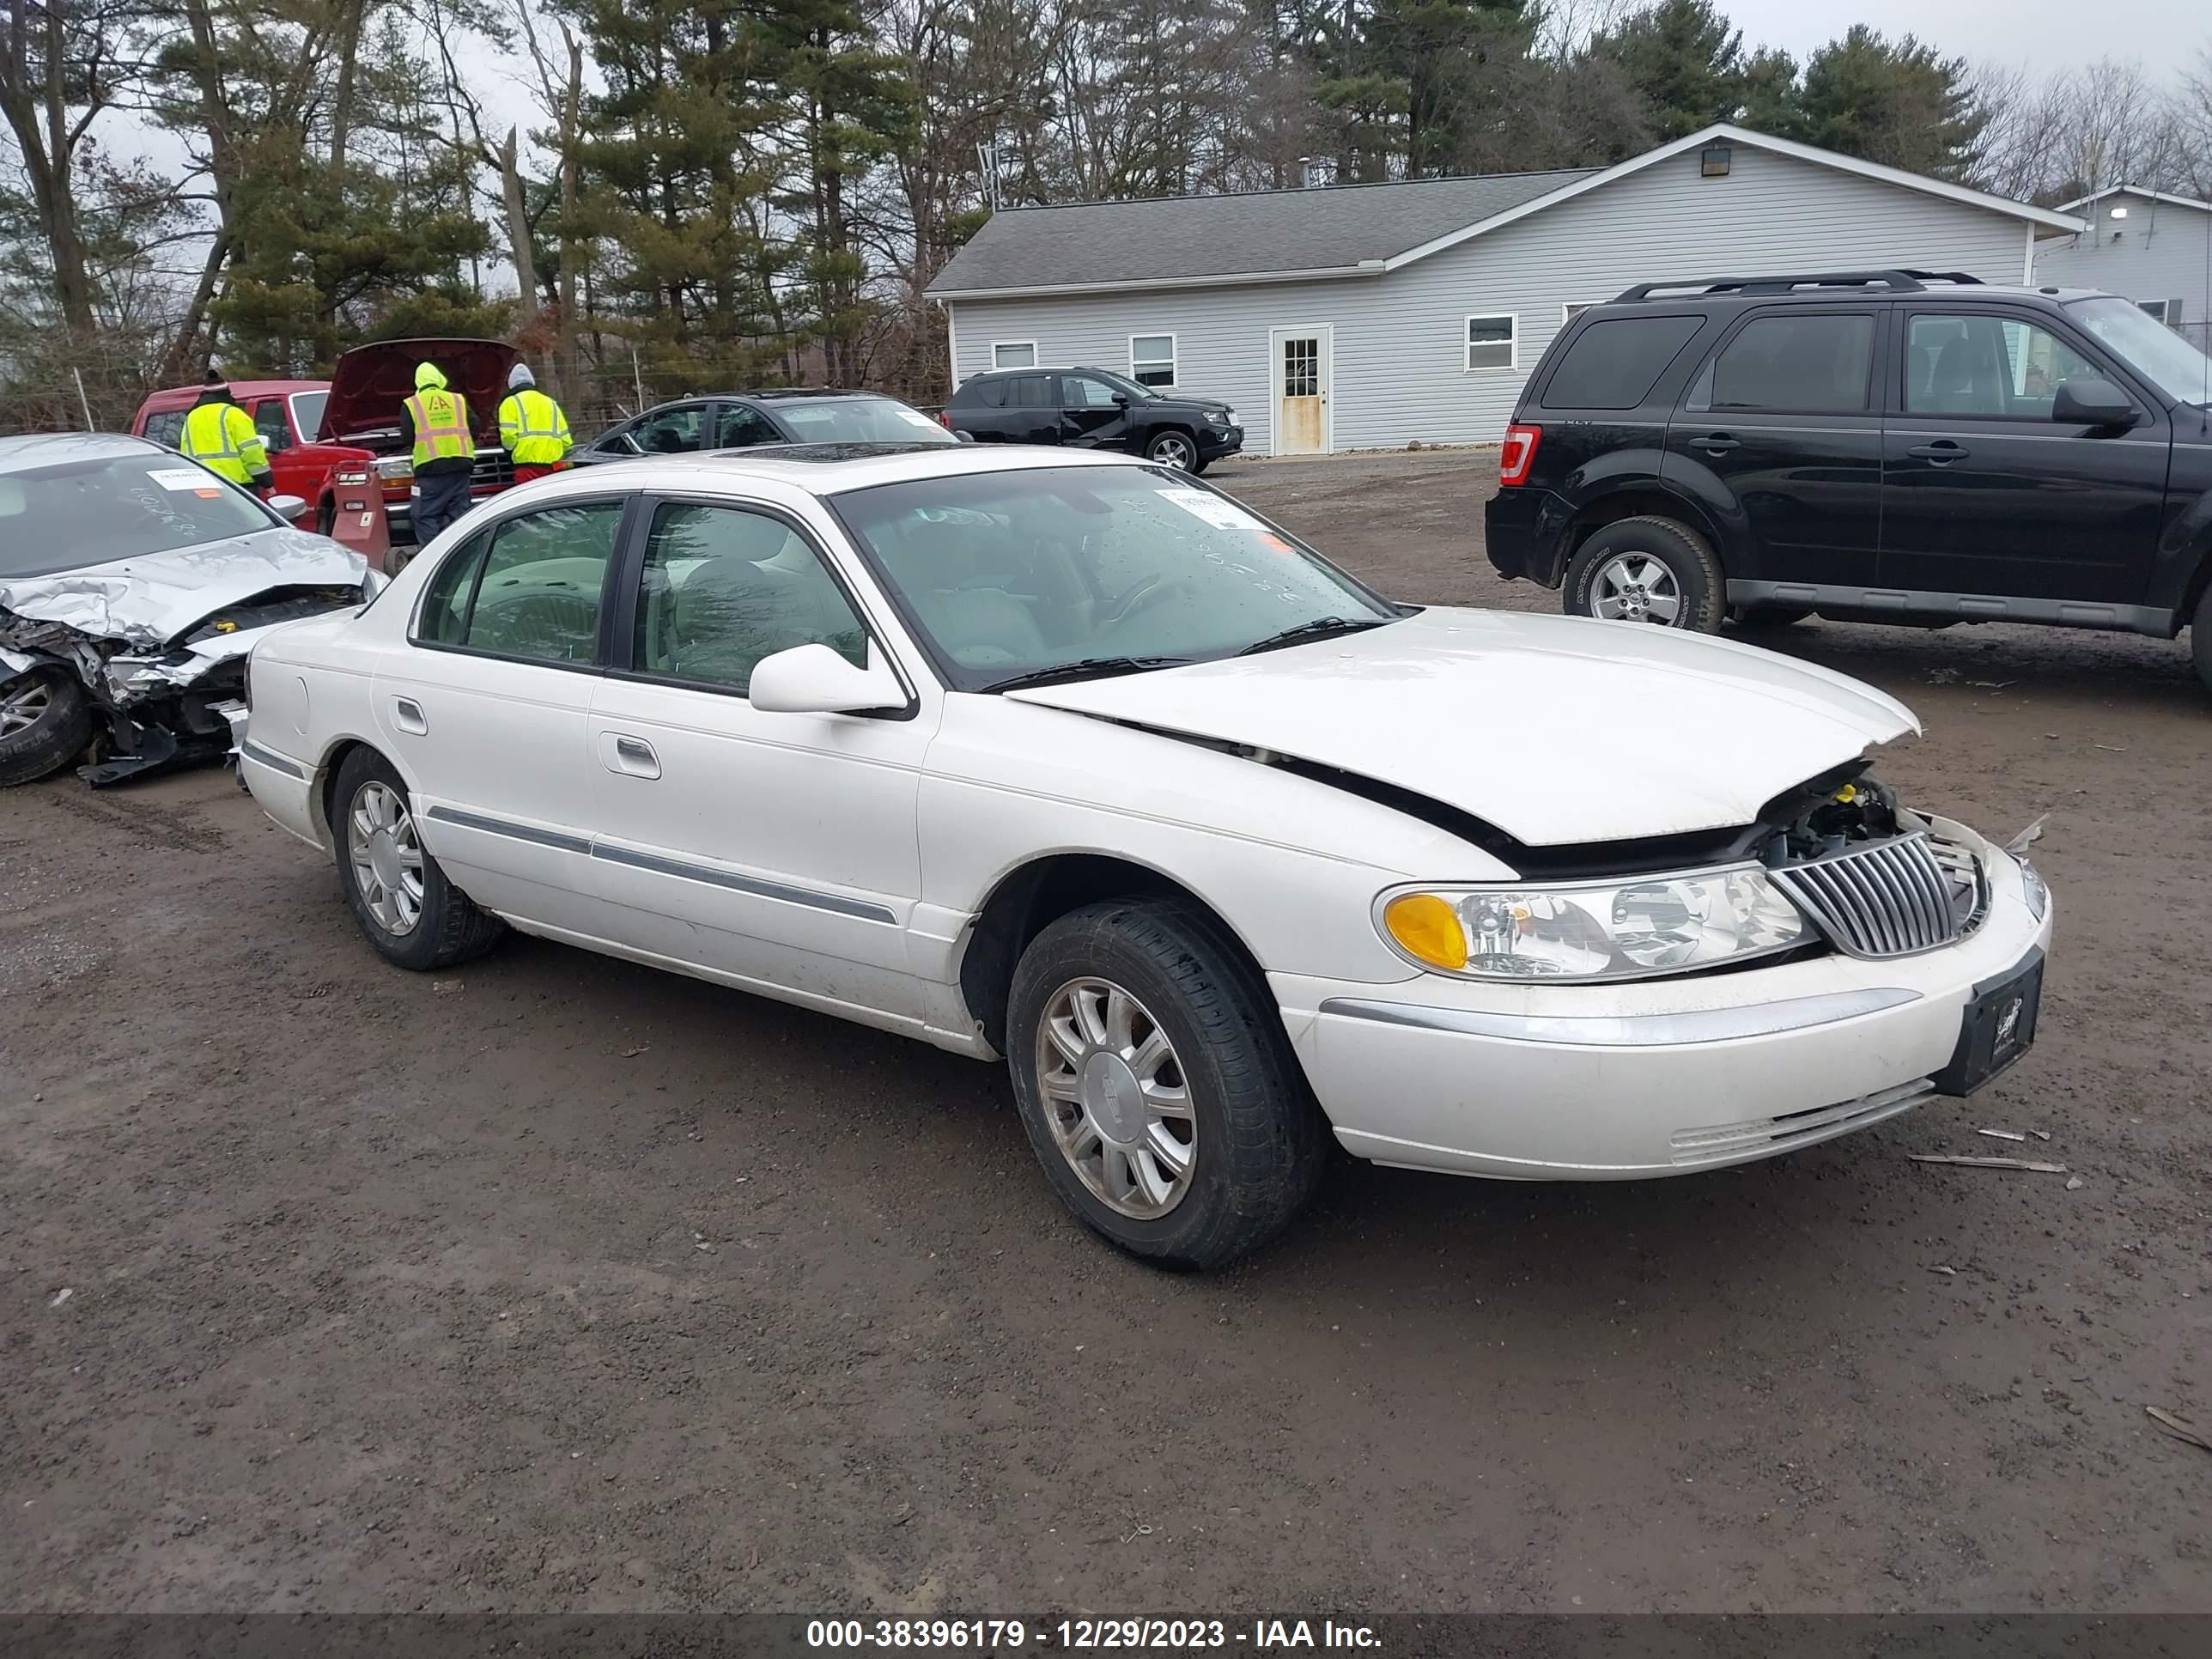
(1215, 441)
(1651, 1078)
(1524, 530)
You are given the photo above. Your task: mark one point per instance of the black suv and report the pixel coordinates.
(1094, 409)
(1892, 446)
(743, 420)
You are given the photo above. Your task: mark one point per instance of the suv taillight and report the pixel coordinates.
(1517, 454)
(945, 419)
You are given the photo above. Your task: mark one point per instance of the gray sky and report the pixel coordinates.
(2163, 35)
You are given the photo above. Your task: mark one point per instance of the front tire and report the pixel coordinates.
(1174, 449)
(415, 917)
(1158, 1086)
(2200, 639)
(1647, 570)
(46, 721)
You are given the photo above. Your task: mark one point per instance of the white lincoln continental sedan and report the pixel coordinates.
(1074, 760)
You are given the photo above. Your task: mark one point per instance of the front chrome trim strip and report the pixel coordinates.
(531, 833)
(1633, 1031)
(836, 903)
(272, 760)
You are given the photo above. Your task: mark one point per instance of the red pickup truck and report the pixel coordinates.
(323, 436)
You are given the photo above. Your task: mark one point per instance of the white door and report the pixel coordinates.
(1300, 375)
(483, 711)
(779, 850)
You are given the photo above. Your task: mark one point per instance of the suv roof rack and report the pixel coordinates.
(1898, 280)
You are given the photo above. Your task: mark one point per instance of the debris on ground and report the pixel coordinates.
(61, 1295)
(1987, 1163)
(2180, 1427)
(2073, 1183)
(1947, 1273)
(2002, 1134)
(632, 1054)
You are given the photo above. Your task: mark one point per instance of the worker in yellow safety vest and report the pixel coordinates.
(220, 436)
(434, 424)
(533, 427)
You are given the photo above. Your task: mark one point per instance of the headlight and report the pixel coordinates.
(1230, 417)
(396, 466)
(1219, 417)
(2033, 889)
(1629, 928)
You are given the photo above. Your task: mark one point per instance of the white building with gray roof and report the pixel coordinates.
(1368, 316)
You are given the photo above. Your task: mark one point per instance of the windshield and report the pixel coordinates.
(859, 421)
(2153, 350)
(1012, 574)
(81, 512)
(1137, 392)
(307, 413)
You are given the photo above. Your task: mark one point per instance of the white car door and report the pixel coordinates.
(777, 849)
(485, 710)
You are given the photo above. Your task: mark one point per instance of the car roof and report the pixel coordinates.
(27, 450)
(821, 469)
(173, 394)
(772, 394)
(1751, 291)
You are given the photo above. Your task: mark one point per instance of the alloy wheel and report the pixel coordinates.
(1174, 451)
(1117, 1098)
(1635, 588)
(23, 705)
(387, 858)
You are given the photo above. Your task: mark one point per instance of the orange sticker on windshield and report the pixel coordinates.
(1269, 538)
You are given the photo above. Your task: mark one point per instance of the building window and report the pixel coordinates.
(1013, 354)
(1492, 343)
(1574, 308)
(2165, 311)
(1152, 359)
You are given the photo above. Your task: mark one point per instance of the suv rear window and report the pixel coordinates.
(989, 394)
(1614, 363)
(1813, 365)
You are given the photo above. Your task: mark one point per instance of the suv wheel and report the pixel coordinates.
(1158, 1086)
(2200, 639)
(44, 722)
(1647, 570)
(1173, 449)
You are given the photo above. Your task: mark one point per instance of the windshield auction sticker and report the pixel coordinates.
(185, 478)
(1216, 510)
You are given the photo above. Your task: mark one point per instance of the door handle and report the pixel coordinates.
(1717, 443)
(1939, 453)
(633, 756)
(407, 716)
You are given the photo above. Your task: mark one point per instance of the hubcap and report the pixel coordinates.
(23, 705)
(1117, 1099)
(1635, 588)
(1172, 452)
(387, 860)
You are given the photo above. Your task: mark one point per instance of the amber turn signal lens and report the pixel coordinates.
(1428, 929)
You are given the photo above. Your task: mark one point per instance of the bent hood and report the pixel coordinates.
(371, 381)
(150, 599)
(1555, 729)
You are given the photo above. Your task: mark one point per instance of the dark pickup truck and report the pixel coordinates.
(1094, 409)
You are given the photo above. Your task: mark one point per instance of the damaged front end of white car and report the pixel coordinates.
(139, 665)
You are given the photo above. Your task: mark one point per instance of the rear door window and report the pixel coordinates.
(1614, 363)
(1031, 391)
(1799, 363)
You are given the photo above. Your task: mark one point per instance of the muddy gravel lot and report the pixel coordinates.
(561, 1284)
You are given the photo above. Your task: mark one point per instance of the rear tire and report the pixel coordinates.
(1647, 570)
(415, 917)
(1225, 1141)
(46, 721)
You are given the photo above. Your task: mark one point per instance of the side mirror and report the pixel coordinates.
(2091, 403)
(290, 508)
(965, 437)
(1120, 400)
(812, 679)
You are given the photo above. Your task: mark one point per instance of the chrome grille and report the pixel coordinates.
(495, 470)
(1893, 898)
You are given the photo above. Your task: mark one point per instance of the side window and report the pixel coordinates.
(444, 618)
(538, 597)
(1614, 362)
(990, 394)
(1808, 365)
(739, 427)
(1989, 365)
(269, 421)
(1081, 392)
(1029, 391)
(672, 432)
(724, 587)
(167, 428)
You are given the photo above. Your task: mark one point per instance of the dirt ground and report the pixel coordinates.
(561, 1284)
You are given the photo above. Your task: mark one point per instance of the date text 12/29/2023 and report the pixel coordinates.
(1087, 1635)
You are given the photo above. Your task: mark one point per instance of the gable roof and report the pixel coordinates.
(1275, 234)
(2141, 194)
(1335, 231)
